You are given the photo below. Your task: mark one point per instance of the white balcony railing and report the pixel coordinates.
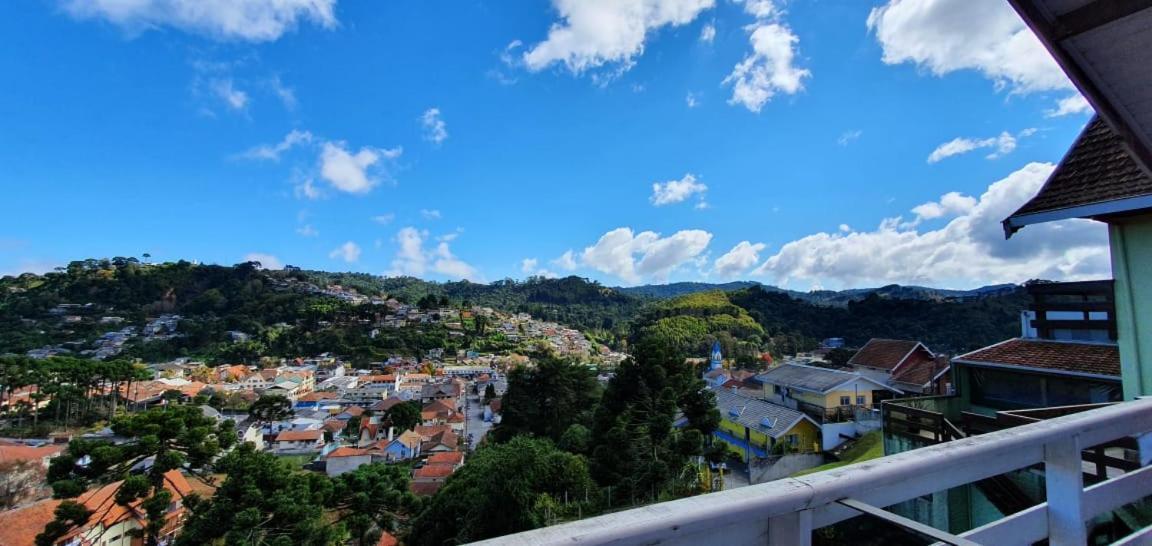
(785, 512)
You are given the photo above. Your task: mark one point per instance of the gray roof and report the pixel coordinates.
(806, 378)
(756, 414)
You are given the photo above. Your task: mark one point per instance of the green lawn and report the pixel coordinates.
(867, 447)
(297, 461)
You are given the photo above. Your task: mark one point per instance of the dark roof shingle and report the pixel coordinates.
(1097, 169)
(882, 353)
(1060, 356)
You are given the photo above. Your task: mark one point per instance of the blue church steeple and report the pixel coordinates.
(717, 359)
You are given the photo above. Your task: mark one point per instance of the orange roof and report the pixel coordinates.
(427, 432)
(298, 435)
(19, 452)
(434, 471)
(386, 539)
(317, 396)
(388, 378)
(347, 452)
(354, 411)
(21, 525)
(451, 457)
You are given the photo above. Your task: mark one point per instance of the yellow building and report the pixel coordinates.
(755, 428)
(824, 394)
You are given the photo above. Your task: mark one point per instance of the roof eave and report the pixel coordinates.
(1031, 369)
(1092, 210)
(1051, 32)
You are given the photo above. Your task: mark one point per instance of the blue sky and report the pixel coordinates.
(808, 144)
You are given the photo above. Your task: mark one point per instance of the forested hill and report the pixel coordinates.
(246, 298)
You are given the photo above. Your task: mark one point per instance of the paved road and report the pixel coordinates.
(475, 426)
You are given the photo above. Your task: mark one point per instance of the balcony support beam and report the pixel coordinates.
(1064, 480)
(909, 524)
(792, 529)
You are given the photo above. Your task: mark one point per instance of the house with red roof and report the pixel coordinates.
(109, 523)
(908, 366)
(298, 441)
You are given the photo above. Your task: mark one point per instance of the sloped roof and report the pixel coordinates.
(20, 452)
(1097, 169)
(883, 353)
(809, 378)
(298, 435)
(450, 457)
(434, 471)
(757, 414)
(1097, 359)
(347, 452)
(21, 525)
(921, 372)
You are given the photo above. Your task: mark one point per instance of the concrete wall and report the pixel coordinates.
(778, 467)
(1131, 243)
(830, 434)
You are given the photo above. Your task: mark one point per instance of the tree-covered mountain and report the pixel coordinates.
(292, 311)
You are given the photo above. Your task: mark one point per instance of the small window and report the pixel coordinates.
(861, 400)
(845, 400)
(777, 389)
(793, 440)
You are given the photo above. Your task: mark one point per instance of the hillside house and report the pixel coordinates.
(907, 366)
(755, 428)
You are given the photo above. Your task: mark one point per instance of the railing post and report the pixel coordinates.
(1064, 481)
(793, 529)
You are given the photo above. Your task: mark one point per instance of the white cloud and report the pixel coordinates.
(677, 191)
(566, 261)
(845, 228)
(227, 92)
(272, 152)
(594, 33)
(708, 33)
(384, 219)
(352, 172)
(306, 189)
(267, 261)
(761, 9)
(1001, 145)
(632, 257)
(848, 137)
(307, 231)
(969, 250)
(1074, 104)
(435, 130)
(349, 252)
(691, 100)
(530, 266)
(248, 20)
(286, 94)
(415, 260)
(738, 260)
(988, 36)
(769, 69)
(950, 204)
(430, 214)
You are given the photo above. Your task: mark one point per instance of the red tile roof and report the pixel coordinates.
(347, 452)
(21, 525)
(451, 457)
(920, 372)
(299, 436)
(1057, 356)
(434, 471)
(885, 354)
(13, 453)
(386, 539)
